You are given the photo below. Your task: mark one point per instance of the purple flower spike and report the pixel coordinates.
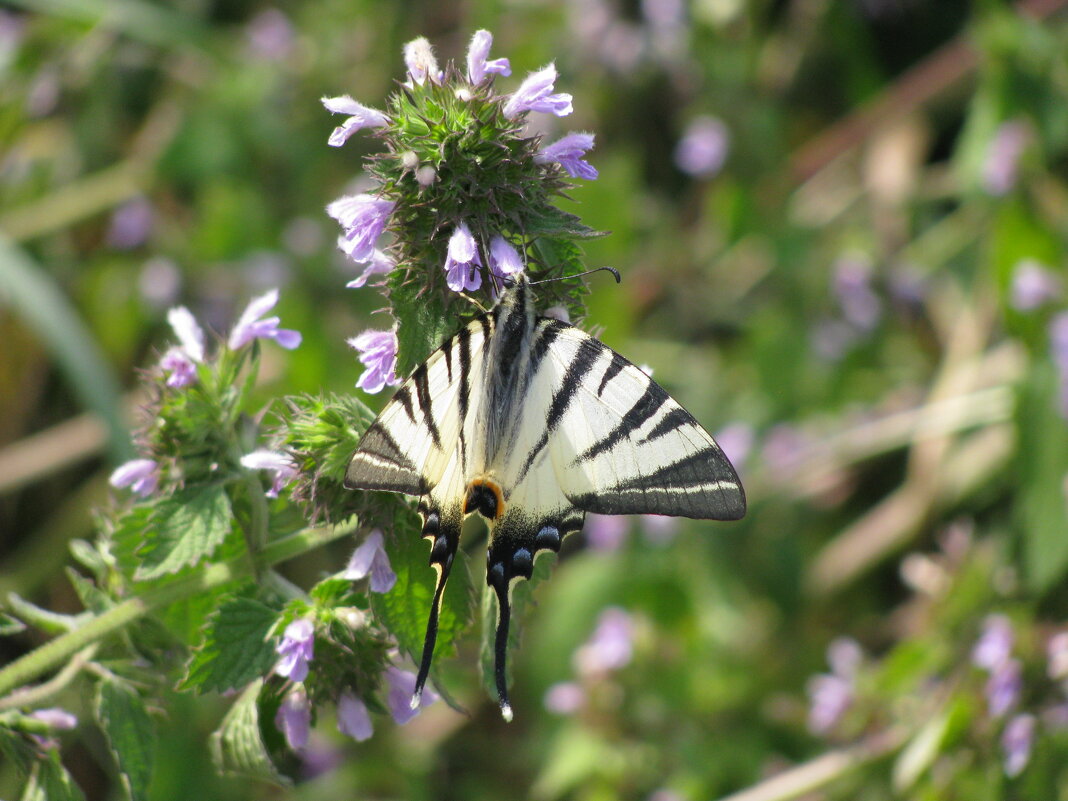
(399, 696)
(181, 361)
(1057, 654)
(1003, 687)
(504, 259)
(419, 58)
(462, 261)
(610, 647)
(703, 147)
(852, 285)
(1058, 342)
(378, 353)
(140, 475)
(253, 325)
(371, 559)
(360, 116)
(1003, 157)
(477, 58)
(353, 718)
(830, 697)
(994, 646)
(281, 465)
(1016, 741)
(293, 718)
(131, 224)
(296, 650)
(568, 153)
(1033, 286)
(534, 94)
(363, 217)
(380, 264)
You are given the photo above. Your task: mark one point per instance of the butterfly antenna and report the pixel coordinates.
(612, 270)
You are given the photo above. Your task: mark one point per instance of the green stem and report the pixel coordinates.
(57, 651)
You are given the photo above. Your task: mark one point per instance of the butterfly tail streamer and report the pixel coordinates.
(445, 539)
(500, 650)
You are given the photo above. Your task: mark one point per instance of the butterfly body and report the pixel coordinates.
(531, 423)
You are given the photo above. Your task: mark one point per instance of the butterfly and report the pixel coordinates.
(532, 423)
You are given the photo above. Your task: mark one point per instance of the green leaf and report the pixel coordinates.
(404, 609)
(184, 529)
(237, 747)
(16, 749)
(10, 625)
(50, 781)
(236, 648)
(521, 597)
(121, 713)
(88, 593)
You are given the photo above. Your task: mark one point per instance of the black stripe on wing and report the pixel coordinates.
(647, 405)
(380, 464)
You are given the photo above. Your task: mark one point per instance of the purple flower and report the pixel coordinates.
(1057, 654)
(250, 326)
(353, 718)
(55, 718)
(419, 58)
(181, 361)
(1033, 285)
(400, 697)
(1016, 741)
(565, 698)
(360, 117)
(606, 532)
(736, 441)
(378, 353)
(293, 718)
(270, 35)
(140, 475)
(363, 217)
(994, 646)
(831, 694)
(296, 650)
(659, 529)
(504, 259)
(462, 261)
(534, 94)
(1003, 687)
(703, 147)
(852, 285)
(1003, 157)
(370, 558)
(281, 465)
(131, 224)
(1058, 338)
(477, 58)
(379, 264)
(610, 647)
(568, 153)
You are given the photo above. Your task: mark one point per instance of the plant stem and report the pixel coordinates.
(55, 652)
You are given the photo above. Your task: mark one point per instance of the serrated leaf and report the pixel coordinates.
(404, 609)
(131, 735)
(237, 747)
(521, 598)
(236, 648)
(50, 781)
(184, 529)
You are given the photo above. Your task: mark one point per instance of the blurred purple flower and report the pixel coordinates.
(378, 353)
(270, 35)
(534, 94)
(659, 529)
(56, 718)
(353, 718)
(363, 218)
(159, 282)
(994, 646)
(42, 97)
(253, 325)
(296, 650)
(565, 698)
(370, 559)
(140, 475)
(1057, 656)
(462, 261)
(478, 63)
(360, 117)
(852, 286)
(131, 224)
(610, 647)
(379, 264)
(568, 152)
(1058, 338)
(419, 58)
(399, 696)
(736, 441)
(293, 718)
(504, 259)
(844, 655)
(784, 451)
(831, 694)
(1003, 157)
(1003, 687)
(606, 532)
(1016, 741)
(831, 339)
(703, 148)
(1033, 285)
(280, 465)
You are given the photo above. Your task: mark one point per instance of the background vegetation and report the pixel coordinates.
(862, 298)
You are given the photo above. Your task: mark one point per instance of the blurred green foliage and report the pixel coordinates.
(840, 292)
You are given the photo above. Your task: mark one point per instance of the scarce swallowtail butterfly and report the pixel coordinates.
(531, 422)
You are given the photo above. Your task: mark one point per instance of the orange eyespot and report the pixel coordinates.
(485, 497)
